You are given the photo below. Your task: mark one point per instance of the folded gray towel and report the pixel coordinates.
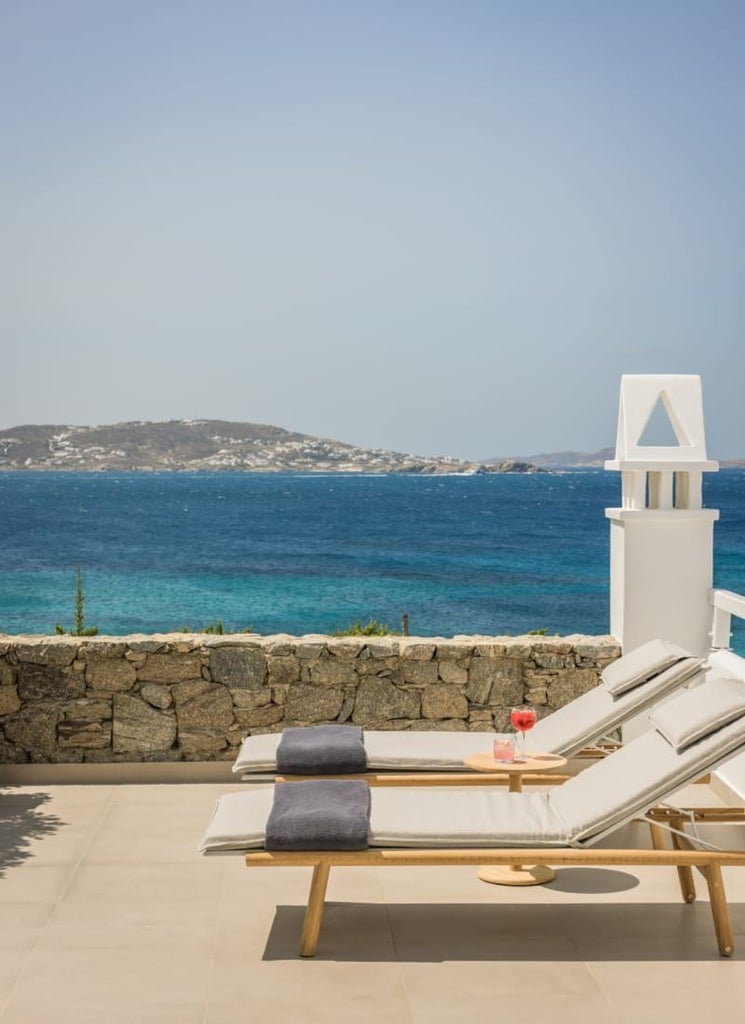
(322, 750)
(320, 814)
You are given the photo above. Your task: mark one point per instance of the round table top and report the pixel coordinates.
(520, 765)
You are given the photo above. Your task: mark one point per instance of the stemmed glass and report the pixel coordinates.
(523, 719)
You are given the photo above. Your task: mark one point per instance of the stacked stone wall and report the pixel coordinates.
(195, 697)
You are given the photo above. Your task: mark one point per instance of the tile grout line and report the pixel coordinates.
(402, 972)
(57, 903)
(213, 949)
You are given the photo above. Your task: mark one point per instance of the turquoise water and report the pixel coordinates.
(484, 554)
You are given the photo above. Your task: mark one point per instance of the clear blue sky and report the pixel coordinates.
(441, 227)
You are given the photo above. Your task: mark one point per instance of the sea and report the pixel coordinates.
(485, 554)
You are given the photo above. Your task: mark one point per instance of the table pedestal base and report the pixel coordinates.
(517, 874)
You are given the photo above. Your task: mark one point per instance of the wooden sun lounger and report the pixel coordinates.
(409, 779)
(682, 856)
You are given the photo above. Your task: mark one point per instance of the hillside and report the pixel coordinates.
(591, 460)
(212, 445)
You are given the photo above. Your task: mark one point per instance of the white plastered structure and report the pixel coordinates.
(661, 543)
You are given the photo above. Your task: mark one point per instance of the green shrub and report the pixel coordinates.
(78, 628)
(373, 628)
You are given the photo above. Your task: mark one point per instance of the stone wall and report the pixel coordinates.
(194, 697)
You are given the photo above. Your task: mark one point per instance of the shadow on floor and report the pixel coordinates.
(21, 820)
(423, 933)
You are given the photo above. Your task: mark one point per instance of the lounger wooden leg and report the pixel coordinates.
(685, 874)
(314, 910)
(719, 908)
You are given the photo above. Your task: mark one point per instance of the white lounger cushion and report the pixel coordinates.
(407, 817)
(640, 664)
(565, 731)
(640, 774)
(684, 721)
(597, 712)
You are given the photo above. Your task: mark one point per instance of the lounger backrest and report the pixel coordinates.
(650, 768)
(598, 712)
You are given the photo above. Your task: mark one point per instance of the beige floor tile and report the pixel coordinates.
(76, 1012)
(185, 885)
(35, 882)
(309, 991)
(119, 976)
(21, 924)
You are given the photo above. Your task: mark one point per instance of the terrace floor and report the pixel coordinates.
(109, 915)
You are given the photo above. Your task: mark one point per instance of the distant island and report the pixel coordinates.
(215, 445)
(591, 460)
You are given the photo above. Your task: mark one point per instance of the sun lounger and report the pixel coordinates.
(692, 733)
(629, 686)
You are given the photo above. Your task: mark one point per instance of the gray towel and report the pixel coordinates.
(322, 750)
(319, 814)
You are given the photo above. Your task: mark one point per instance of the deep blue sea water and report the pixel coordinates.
(297, 554)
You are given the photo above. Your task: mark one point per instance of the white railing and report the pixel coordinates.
(725, 604)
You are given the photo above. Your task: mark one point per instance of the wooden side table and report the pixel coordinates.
(516, 874)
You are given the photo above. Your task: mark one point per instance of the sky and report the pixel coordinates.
(442, 227)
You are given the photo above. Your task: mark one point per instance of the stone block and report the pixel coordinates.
(9, 700)
(495, 681)
(597, 649)
(332, 672)
(485, 649)
(111, 675)
(249, 718)
(34, 729)
(480, 715)
(346, 709)
(536, 695)
(553, 660)
(140, 728)
(239, 667)
(454, 673)
(571, 684)
(280, 646)
(202, 744)
(312, 703)
(210, 709)
(170, 668)
(283, 670)
(10, 753)
(379, 700)
(86, 710)
(60, 653)
(444, 702)
(551, 645)
(181, 692)
(307, 649)
(102, 650)
(143, 645)
(419, 673)
(452, 651)
(84, 735)
(8, 674)
(375, 666)
(415, 650)
(347, 648)
(48, 682)
(157, 695)
(252, 698)
(382, 647)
